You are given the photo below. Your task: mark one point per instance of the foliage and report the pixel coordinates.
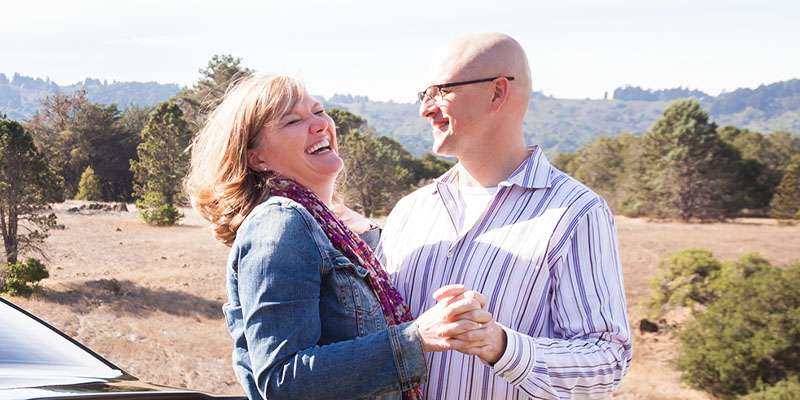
(346, 122)
(748, 337)
(684, 279)
(155, 211)
(605, 166)
(686, 169)
(215, 79)
(162, 162)
(375, 176)
(22, 277)
(27, 185)
(75, 133)
(89, 186)
(788, 389)
(786, 201)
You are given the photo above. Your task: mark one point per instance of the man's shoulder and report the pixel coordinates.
(575, 195)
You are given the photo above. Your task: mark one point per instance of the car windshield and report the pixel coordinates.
(28, 345)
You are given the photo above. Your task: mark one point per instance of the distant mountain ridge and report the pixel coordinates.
(556, 124)
(20, 95)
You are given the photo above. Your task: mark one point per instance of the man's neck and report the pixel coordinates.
(489, 166)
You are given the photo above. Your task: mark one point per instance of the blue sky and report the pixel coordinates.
(577, 49)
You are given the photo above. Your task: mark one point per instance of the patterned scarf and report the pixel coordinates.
(395, 311)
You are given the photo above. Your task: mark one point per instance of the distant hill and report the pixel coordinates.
(561, 125)
(20, 96)
(556, 124)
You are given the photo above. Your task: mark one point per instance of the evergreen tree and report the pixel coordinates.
(786, 201)
(27, 186)
(162, 164)
(686, 171)
(89, 187)
(75, 133)
(374, 175)
(215, 79)
(346, 122)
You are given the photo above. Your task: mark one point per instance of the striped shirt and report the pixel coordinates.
(545, 255)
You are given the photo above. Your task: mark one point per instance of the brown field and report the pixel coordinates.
(149, 299)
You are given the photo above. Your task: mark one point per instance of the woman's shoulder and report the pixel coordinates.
(277, 215)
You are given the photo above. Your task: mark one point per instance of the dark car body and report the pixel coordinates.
(38, 361)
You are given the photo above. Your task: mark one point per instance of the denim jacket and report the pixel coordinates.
(304, 321)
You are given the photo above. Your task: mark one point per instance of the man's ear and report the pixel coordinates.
(500, 93)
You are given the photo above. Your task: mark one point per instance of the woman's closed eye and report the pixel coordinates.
(320, 112)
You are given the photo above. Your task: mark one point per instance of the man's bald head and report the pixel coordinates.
(483, 55)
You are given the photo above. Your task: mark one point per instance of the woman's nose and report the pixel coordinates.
(319, 124)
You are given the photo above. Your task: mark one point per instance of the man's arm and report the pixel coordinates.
(592, 349)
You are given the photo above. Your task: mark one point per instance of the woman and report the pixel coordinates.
(311, 311)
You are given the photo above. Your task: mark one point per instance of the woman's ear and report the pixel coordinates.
(255, 161)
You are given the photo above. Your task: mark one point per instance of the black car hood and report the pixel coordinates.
(66, 387)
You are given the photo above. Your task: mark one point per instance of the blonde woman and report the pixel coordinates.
(311, 311)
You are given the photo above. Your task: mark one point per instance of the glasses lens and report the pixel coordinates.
(429, 93)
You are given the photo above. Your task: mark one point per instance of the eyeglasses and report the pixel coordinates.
(435, 91)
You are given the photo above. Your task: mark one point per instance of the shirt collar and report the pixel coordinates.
(533, 173)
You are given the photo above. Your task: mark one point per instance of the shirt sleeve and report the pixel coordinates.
(592, 350)
(279, 275)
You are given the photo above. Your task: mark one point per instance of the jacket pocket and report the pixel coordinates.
(354, 292)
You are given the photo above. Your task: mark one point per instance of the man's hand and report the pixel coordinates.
(487, 339)
(457, 312)
(488, 342)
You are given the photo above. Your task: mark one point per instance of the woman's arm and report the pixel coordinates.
(279, 283)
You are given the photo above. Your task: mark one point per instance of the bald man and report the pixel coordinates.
(540, 246)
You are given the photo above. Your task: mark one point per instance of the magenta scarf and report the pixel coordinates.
(395, 310)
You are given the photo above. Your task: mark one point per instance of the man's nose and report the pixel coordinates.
(427, 108)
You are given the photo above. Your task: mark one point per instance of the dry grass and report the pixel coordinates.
(149, 298)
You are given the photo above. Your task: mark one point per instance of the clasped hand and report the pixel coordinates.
(459, 321)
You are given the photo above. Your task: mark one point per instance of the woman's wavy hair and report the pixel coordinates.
(222, 188)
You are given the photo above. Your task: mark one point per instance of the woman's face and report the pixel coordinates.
(301, 145)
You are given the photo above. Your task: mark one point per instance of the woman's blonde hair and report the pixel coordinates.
(222, 187)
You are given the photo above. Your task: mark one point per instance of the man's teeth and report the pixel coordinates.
(320, 145)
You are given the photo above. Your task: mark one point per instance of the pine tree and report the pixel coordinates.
(162, 164)
(27, 185)
(786, 201)
(89, 186)
(686, 171)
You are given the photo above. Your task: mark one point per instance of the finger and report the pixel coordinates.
(480, 335)
(457, 328)
(479, 316)
(476, 295)
(459, 307)
(466, 347)
(448, 291)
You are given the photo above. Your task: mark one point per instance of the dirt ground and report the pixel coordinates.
(149, 299)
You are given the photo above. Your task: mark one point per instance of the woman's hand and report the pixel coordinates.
(458, 311)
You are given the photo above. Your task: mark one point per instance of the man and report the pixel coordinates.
(540, 246)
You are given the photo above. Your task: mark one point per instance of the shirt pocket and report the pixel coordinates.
(355, 294)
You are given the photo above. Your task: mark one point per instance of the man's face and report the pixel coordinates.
(454, 113)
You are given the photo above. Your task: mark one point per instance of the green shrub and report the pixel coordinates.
(684, 279)
(89, 186)
(784, 390)
(155, 211)
(749, 336)
(22, 277)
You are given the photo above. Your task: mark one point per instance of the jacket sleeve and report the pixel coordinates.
(279, 274)
(593, 351)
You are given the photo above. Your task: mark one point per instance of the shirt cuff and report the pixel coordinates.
(517, 361)
(408, 356)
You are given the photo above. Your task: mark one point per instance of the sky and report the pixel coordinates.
(382, 49)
